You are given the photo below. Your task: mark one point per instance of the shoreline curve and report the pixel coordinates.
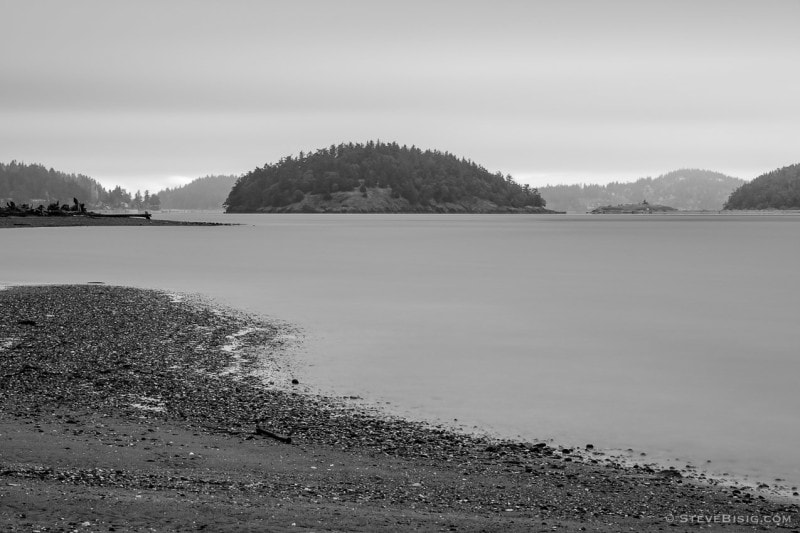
(116, 398)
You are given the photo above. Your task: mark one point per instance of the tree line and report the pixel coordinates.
(779, 189)
(34, 185)
(420, 177)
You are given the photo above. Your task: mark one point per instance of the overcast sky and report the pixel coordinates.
(146, 94)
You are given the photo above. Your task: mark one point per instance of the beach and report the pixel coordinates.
(126, 409)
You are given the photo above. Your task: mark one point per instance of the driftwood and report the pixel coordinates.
(55, 209)
(14, 211)
(259, 431)
(277, 436)
(119, 215)
(223, 430)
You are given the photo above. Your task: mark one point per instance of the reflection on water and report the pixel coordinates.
(672, 335)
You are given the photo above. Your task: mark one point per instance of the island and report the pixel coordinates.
(643, 208)
(378, 177)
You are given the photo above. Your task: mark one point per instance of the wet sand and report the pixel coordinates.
(124, 410)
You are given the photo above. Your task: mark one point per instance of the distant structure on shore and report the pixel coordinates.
(379, 177)
(686, 190)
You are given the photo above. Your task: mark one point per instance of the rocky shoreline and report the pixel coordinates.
(125, 410)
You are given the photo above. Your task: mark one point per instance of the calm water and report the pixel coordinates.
(675, 336)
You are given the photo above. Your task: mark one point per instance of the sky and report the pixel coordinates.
(153, 93)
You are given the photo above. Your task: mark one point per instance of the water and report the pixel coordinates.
(672, 335)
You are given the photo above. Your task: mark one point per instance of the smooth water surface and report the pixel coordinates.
(673, 335)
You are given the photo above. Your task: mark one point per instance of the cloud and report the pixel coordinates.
(185, 88)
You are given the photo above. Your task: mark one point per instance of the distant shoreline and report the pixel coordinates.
(77, 220)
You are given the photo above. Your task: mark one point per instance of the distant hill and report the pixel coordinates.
(209, 192)
(779, 189)
(379, 177)
(686, 189)
(35, 184)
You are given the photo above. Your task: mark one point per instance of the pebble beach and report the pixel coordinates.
(133, 410)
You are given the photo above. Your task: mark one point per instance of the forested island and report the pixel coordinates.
(685, 189)
(378, 177)
(779, 189)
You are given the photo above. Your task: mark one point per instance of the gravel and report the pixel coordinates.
(122, 367)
